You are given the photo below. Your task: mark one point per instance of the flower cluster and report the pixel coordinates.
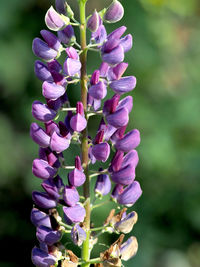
(59, 209)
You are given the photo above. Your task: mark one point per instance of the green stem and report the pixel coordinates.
(84, 145)
(98, 228)
(101, 204)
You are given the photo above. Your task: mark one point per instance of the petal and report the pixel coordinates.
(119, 118)
(130, 194)
(98, 91)
(78, 123)
(41, 258)
(40, 218)
(42, 50)
(47, 235)
(74, 214)
(42, 169)
(76, 177)
(124, 176)
(71, 66)
(70, 195)
(41, 112)
(129, 142)
(52, 90)
(42, 71)
(115, 56)
(38, 135)
(101, 151)
(59, 143)
(43, 200)
(123, 85)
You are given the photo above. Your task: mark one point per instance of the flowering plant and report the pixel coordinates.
(60, 209)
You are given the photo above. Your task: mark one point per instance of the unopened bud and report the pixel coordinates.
(114, 12)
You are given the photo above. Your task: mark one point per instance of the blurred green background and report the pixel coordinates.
(166, 61)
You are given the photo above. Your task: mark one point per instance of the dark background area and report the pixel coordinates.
(166, 60)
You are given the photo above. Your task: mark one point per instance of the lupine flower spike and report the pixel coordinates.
(59, 208)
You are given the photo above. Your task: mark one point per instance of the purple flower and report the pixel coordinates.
(116, 34)
(66, 35)
(117, 190)
(43, 200)
(114, 12)
(119, 118)
(40, 218)
(130, 158)
(93, 22)
(61, 6)
(100, 35)
(51, 188)
(51, 39)
(116, 72)
(59, 143)
(115, 56)
(116, 161)
(41, 112)
(41, 258)
(54, 66)
(38, 135)
(101, 151)
(123, 85)
(42, 50)
(52, 90)
(42, 71)
(47, 235)
(126, 102)
(129, 142)
(103, 185)
(71, 66)
(127, 42)
(70, 195)
(76, 177)
(42, 169)
(130, 194)
(74, 214)
(78, 235)
(98, 91)
(54, 20)
(124, 176)
(78, 121)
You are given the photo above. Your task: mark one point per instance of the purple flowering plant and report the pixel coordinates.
(59, 209)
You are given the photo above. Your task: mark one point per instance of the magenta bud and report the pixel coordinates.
(127, 42)
(51, 126)
(117, 190)
(54, 20)
(42, 169)
(115, 56)
(51, 189)
(93, 22)
(51, 39)
(129, 248)
(66, 35)
(47, 235)
(124, 176)
(116, 72)
(42, 71)
(43, 200)
(78, 164)
(54, 66)
(125, 225)
(116, 34)
(119, 118)
(123, 85)
(116, 161)
(71, 66)
(40, 218)
(126, 102)
(76, 177)
(101, 151)
(41, 112)
(129, 142)
(52, 90)
(38, 135)
(42, 50)
(41, 258)
(114, 12)
(70, 195)
(78, 123)
(95, 77)
(103, 185)
(74, 214)
(78, 235)
(59, 143)
(98, 91)
(130, 158)
(99, 137)
(100, 35)
(130, 194)
(104, 68)
(110, 105)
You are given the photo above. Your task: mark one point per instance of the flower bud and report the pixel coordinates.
(42, 50)
(95, 77)
(103, 185)
(127, 42)
(59, 143)
(42, 169)
(43, 200)
(123, 85)
(52, 90)
(119, 118)
(40, 218)
(78, 121)
(124, 176)
(101, 151)
(38, 135)
(129, 248)
(42, 71)
(130, 194)
(66, 36)
(114, 12)
(93, 22)
(51, 188)
(76, 177)
(71, 66)
(129, 142)
(61, 6)
(41, 258)
(78, 235)
(125, 225)
(41, 112)
(51, 39)
(98, 91)
(130, 158)
(47, 235)
(54, 20)
(74, 214)
(70, 195)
